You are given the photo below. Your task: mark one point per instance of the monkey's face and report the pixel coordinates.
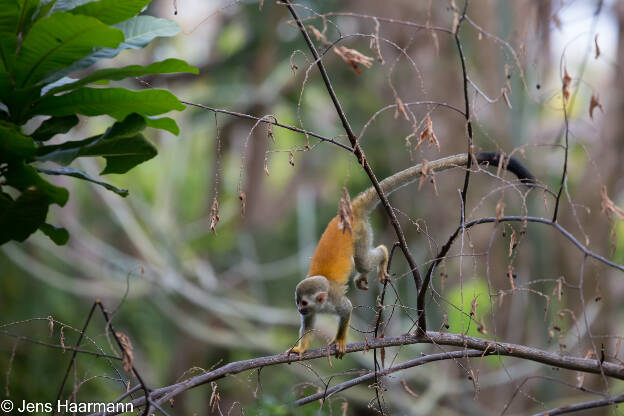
(311, 294)
(307, 304)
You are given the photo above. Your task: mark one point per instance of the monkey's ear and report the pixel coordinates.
(321, 297)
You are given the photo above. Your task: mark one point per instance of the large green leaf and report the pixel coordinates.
(115, 74)
(53, 126)
(116, 102)
(9, 16)
(60, 40)
(122, 146)
(77, 173)
(22, 217)
(13, 144)
(138, 32)
(65, 153)
(24, 177)
(111, 11)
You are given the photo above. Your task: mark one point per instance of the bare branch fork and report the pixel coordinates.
(483, 346)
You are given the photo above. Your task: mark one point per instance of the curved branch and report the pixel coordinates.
(514, 218)
(609, 401)
(586, 365)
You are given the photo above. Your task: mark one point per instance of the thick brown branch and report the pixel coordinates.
(163, 394)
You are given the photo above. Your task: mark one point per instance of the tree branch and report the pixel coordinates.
(609, 401)
(586, 365)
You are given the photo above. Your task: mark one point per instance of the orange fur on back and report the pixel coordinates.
(332, 257)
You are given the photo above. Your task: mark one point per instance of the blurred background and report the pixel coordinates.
(190, 299)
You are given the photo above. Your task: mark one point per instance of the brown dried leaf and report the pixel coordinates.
(214, 215)
(597, 47)
(512, 242)
(345, 211)
(428, 134)
(243, 198)
(214, 397)
(51, 324)
(62, 338)
(608, 206)
(291, 158)
(407, 389)
(353, 58)
(556, 21)
(127, 355)
(506, 97)
(400, 109)
(423, 173)
(500, 210)
(593, 103)
(317, 34)
(510, 276)
(344, 407)
(566, 85)
(383, 353)
(266, 165)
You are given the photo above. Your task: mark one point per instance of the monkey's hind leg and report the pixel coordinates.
(379, 257)
(374, 257)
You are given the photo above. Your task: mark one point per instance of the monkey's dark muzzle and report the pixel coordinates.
(304, 311)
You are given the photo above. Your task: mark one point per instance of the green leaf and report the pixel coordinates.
(122, 154)
(122, 147)
(45, 8)
(13, 144)
(76, 173)
(59, 235)
(28, 8)
(111, 11)
(138, 32)
(115, 74)
(116, 102)
(24, 177)
(22, 217)
(9, 16)
(54, 126)
(59, 40)
(163, 123)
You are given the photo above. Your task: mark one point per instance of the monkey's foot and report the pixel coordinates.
(341, 347)
(383, 274)
(296, 350)
(383, 265)
(361, 281)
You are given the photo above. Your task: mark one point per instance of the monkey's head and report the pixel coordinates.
(311, 294)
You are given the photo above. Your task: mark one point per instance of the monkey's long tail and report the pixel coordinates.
(368, 199)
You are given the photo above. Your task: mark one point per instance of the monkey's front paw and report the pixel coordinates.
(341, 347)
(296, 350)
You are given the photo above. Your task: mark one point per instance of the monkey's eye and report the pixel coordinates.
(304, 303)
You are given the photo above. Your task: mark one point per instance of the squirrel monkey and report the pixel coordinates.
(350, 241)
